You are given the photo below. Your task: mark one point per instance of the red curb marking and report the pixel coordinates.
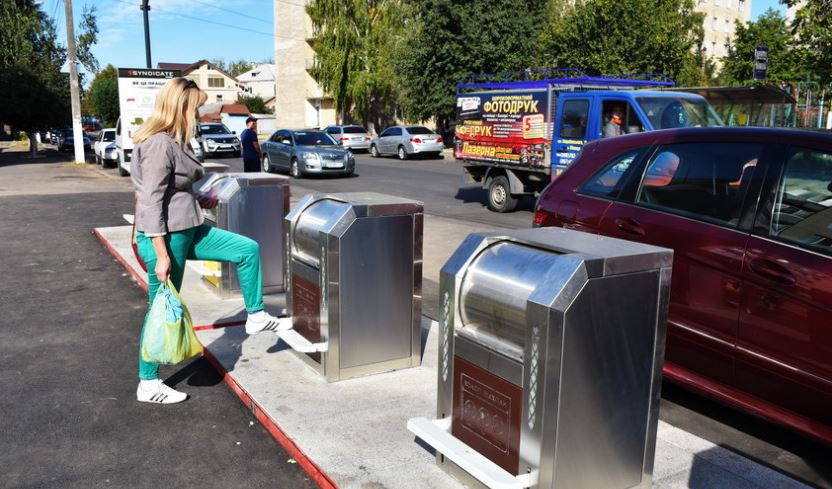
(315, 472)
(317, 475)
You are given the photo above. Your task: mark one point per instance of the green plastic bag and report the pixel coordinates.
(168, 332)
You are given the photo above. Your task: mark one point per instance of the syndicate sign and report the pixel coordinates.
(137, 89)
(507, 127)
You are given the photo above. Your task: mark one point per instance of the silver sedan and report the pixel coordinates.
(350, 137)
(407, 141)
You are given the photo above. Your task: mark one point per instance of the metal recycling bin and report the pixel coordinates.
(354, 279)
(551, 344)
(254, 205)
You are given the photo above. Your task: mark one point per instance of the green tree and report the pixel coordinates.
(103, 95)
(813, 36)
(353, 44)
(239, 67)
(36, 93)
(626, 36)
(255, 104)
(446, 40)
(770, 30)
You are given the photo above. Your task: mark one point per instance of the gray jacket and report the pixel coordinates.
(163, 174)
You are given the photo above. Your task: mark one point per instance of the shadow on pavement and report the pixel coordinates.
(469, 195)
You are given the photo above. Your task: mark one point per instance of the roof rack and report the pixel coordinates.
(566, 77)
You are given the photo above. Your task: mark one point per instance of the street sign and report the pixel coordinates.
(760, 62)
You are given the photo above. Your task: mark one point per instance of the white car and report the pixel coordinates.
(105, 148)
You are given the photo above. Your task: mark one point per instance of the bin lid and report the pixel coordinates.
(369, 204)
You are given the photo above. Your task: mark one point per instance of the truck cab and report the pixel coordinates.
(516, 132)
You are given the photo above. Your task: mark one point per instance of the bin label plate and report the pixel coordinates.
(486, 414)
(306, 310)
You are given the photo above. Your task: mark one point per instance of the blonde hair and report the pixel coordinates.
(175, 111)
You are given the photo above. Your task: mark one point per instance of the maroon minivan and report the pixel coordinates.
(748, 213)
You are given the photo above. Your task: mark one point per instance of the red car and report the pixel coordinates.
(748, 213)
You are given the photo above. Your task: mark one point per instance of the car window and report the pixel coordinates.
(573, 119)
(703, 180)
(214, 129)
(313, 138)
(109, 136)
(608, 182)
(618, 118)
(354, 130)
(332, 130)
(419, 130)
(803, 210)
(672, 112)
(393, 131)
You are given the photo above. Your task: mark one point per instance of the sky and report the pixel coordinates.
(185, 31)
(181, 31)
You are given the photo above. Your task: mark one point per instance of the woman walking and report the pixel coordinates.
(169, 227)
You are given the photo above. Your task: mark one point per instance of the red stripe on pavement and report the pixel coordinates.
(220, 325)
(315, 472)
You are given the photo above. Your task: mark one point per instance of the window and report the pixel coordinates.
(392, 131)
(608, 181)
(573, 119)
(354, 130)
(727, 25)
(419, 130)
(108, 136)
(617, 118)
(716, 2)
(216, 82)
(219, 97)
(282, 137)
(332, 130)
(741, 6)
(313, 138)
(705, 180)
(803, 210)
(674, 111)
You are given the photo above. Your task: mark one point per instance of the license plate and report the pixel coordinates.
(357, 139)
(430, 141)
(335, 164)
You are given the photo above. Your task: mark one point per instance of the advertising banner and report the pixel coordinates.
(760, 62)
(504, 127)
(137, 89)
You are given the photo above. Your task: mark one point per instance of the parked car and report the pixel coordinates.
(748, 213)
(350, 137)
(304, 152)
(105, 148)
(406, 141)
(66, 140)
(215, 138)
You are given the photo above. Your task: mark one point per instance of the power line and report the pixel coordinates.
(198, 19)
(231, 11)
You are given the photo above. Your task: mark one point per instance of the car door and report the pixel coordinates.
(390, 140)
(630, 120)
(571, 130)
(281, 149)
(784, 350)
(98, 145)
(691, 198)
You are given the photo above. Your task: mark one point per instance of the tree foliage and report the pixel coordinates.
(36, 93)
(354, 41)
(770, 30)
(233, 68)
(103, 95)
(446, 40)
(813, 36)
(255, 104)
(625, 36)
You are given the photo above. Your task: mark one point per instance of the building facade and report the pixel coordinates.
(720, 16)
(260, 80)
(301, 103)
(220, 86)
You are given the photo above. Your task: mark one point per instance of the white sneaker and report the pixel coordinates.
(263, 321)
(158, 392)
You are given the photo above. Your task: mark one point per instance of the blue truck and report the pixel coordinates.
(517, 131)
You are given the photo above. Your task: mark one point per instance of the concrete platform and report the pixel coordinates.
(352, 434)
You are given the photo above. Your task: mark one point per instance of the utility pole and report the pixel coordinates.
(74, 87)
(146, 9)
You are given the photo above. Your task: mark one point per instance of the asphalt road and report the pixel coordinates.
(69, 326)
(441, 185)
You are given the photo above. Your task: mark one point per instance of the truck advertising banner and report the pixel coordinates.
(504, 127)
(137, 89)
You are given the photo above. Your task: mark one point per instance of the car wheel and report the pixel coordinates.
(499, 195)
(267, 164)
(374, 151)
(402, 153)
(295, 169)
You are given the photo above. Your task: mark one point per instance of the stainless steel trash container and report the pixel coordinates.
(254, 205)
(551, 344)
(354, 278)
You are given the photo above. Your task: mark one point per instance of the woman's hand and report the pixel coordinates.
(163, 268)
(207, 202)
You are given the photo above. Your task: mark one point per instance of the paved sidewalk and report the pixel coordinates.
(352, 434)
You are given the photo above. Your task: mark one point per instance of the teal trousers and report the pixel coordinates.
(202, 243)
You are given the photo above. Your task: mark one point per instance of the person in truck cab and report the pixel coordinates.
(613, 126)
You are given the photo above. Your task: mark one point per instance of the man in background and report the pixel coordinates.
(251, 146)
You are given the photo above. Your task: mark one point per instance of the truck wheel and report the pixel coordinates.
(499, 195)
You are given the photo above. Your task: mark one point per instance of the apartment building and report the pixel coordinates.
(220, 86)
(720, 16)
(301, 101)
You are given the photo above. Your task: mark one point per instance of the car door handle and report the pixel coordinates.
(630, 226)
(772, 271)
